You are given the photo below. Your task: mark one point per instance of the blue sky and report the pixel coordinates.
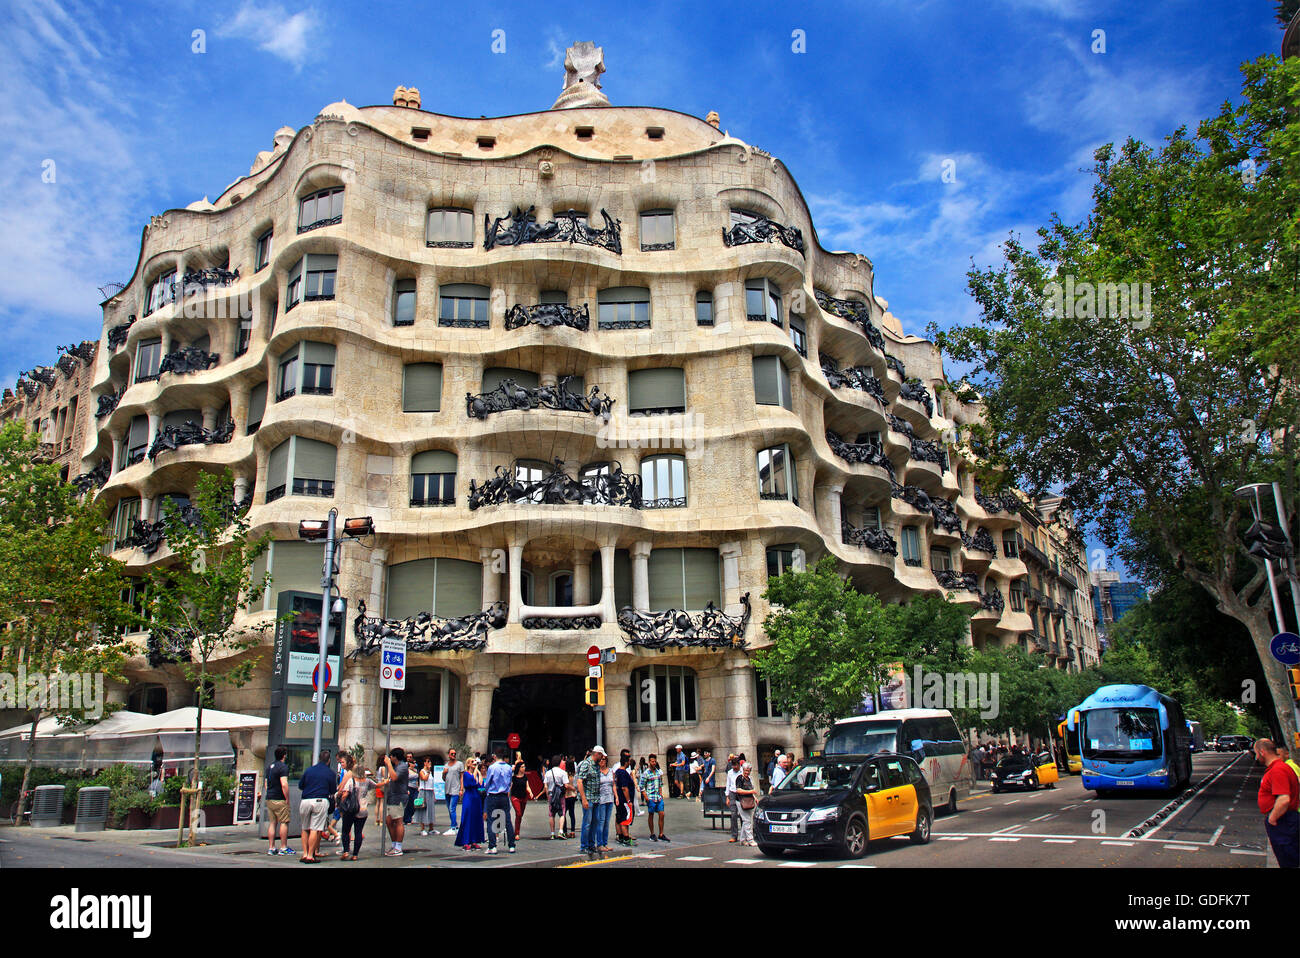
(131, 121)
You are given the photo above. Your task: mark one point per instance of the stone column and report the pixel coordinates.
(118, 443)
(481, 685)
(581, 577)
(378, 563)
(516, 580)
(739, 708)
(607, 598)
(617, 733)
(730, 552)
(833, 511)
(146, 508)
(491, 579)
(548, 378)
(154, 423)
(641, 576)
(210, 418)
(241, 487)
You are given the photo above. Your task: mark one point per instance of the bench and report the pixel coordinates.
(714, 806)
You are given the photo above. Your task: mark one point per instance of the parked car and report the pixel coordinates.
(843, 803)
(1025, 771)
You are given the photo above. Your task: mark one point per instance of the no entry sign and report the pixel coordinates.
(593, 655)
(513, 739)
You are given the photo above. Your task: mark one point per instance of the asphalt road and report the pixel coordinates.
(1063, 826)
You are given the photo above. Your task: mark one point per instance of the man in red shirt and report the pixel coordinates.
(1279, 799)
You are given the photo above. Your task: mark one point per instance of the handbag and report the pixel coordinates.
(419, 802)
(350, 803)
(747, 801)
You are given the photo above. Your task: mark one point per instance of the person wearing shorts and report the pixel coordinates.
(624, 797)
(652, 793)
(317, 785)
(680, 773)
(554, 782)
(277, 803)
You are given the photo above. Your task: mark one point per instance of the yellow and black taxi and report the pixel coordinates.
(844, 802)
(1025, 771)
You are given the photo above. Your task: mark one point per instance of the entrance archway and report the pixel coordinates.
(547, 714)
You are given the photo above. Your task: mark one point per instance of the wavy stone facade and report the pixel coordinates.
(725, 283)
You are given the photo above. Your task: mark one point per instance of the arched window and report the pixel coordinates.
(763, 301)
(322, 208)
(776, 474)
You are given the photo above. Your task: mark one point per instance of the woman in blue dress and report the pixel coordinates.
(471, 834)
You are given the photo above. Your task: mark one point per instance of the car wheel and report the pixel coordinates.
(952, 802)
(996, 789)
(855, 838)
(922, 834)
(771, 851)
(1034, 784)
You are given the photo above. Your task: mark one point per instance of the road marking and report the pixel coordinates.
(650, 855)
(1247, 851)
(1184, 801)
(1217, 833)
(952, 838)
(1012, 802)
(694, 858)
(1041, 818)
(986, 808)
(744, 861)
(600, 861)
(1182, 848)
(798, 864)
(855, 866)
(1066, 808)
(1058, 841)
(1000, 839)
(1121, 844)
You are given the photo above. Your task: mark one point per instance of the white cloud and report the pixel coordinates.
(274, 31)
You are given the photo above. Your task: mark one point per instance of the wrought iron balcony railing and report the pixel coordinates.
(915, 391)
(952, 579)
(93, 479)
(171, 438)
(941, 510)
(108, 402)
(569, 226)
(562, 622)
(896, 364)
(878, 540)
(854, 377)
(426, 632)
(992, 601)
(710, 628)
(615, 488)
(1032, 552)
(197, 280)
(928, 451)
(1003, 502)
(859, 314)
(763, 230)
(188, 359)
(510, 395)
(1068, 579)
(868, 453)
(981, 541)
(549, 316)
(117, 334)
(901, 426)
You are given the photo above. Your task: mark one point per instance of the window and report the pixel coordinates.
(443, 587)
(307, 366)
(663, 482)
(433, 478)
(431, 697)
(622, 578)
(1016, 593)
(323, 208)
(287, 381)
(663, 695)
(133, 596)
(295, 567)
(256, 408)
(686, 579)
(940, 559)
(302, 466)
(780, 560)
(312, 278)
(464, 305)
(911, 546)
(623, 307)
(148, 700)
(128, 510)
(263, 254)
(554, 297)
(137, 442)
(703, 309)
(763, 301)
(404, 302)
(799, 335)
(530, 472)
(584, 132)
(656, 391)
(450, 229)
(422, 387)
(776, 474)
(496, 375)
(162, 292)
(1010, 547)
(245, 336)
(562, 589)
(179, 417)
(271, 314)
(657, 232)
(177, 500)
(763, 698)
(771, 382)
(871, 517)
(148, 357)
(655, 132)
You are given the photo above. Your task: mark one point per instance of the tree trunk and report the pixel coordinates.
(27, 768)
(196, 801)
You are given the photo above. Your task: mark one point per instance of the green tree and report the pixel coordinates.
(59, 593)
(194, 600)
(1147, 415)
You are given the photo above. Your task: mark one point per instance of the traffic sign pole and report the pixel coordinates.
(323, 633)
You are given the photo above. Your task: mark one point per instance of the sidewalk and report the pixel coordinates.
(684, 824)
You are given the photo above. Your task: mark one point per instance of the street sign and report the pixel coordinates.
(607, 656)
(1285, 647)
(595, 672)
(315, 676)
(392, 664)
(513, 739)
(593, 655)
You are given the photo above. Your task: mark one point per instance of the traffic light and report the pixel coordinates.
(594, 692)
(1294, 676)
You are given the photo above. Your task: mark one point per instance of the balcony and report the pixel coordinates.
(569, 226)
(877, 540)
(896, 364)
(958, 581)
(854, 377)
(941, 510)
(1030, 551)
(93, 479)
(188, 359)
(914, 390)
(1069, 580)
(859, 314)
(710, 628)
(549, 316)
(199, 280)
(615, 488)
(866, 453)
(760, 229)
(426, 632)
(981, 541)
(509, 395)
(992, 601)
(117, 334)
(108, 403)
(927, 451)
(171, 438)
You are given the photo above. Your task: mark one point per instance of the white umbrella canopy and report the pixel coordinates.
(49, 726)
(185, 720)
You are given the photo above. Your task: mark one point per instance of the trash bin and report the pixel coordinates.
(92, 808)
(47, 806)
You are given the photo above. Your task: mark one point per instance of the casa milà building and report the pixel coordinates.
(594, 378)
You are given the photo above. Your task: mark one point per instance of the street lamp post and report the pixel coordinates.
(322, 667)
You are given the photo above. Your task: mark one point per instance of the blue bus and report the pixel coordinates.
(1132, 737)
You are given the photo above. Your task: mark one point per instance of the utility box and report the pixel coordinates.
(92, 808)
(47, 806)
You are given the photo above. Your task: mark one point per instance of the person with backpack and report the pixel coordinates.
(555, 782)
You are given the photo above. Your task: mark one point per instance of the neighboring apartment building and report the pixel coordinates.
(671, 392)
(1111, 598)
(53, 402)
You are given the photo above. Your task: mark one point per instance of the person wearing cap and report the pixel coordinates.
(679, 770)
(587, 779)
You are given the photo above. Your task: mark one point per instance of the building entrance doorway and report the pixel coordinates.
(547, 714)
